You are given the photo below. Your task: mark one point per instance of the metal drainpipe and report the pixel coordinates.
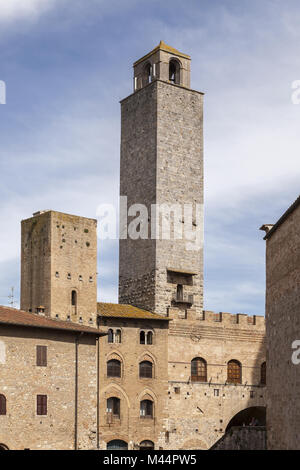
(76, 391)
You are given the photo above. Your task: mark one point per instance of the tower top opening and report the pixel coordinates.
(162, 63)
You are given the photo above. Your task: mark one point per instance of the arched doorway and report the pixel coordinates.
(253, 416)
(117, 445)
(147, 445)
(3, 447)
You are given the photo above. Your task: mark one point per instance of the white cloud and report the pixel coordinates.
(15, 9)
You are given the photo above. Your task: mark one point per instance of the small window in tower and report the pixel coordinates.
(74, 301)
(80, 277)
(57, 274)
(69, 276)
(91, 278)
(148, 73)
(87, 244)
(174, 70)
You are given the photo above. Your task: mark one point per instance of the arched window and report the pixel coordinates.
(234, 372)
(147, 445)
(148, 74)
(149, 337)
(110, 336)
(146, 409)
(174, 72)
(113, 407)
(117, 445)
(142, 337)
(198, 370)
(118, 336)
(2, 405)
(263, 373)
(146, 370)
(74, 301)
(113, 368)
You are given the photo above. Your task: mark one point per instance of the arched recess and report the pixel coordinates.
(147, 394)
(3, 447)
(117, 444)
(147, 444)
(147, 356)
(252, 416)
(114, 390)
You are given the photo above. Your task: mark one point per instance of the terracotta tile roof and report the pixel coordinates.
(283, 218)
(12, 316)
(127, 311)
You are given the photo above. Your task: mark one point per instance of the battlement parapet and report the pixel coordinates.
(208, 317)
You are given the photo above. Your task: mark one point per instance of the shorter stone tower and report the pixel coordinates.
(59, 266)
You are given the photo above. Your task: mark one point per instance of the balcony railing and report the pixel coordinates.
(183, 299)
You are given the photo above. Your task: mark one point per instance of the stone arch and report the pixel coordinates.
(118, 389)
(147, 356)
(245, 415)
(147, 394)
(3, 447)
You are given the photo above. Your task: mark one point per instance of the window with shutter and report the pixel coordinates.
(41, 356)
(2, 405)
(234, 372)
(41, 404)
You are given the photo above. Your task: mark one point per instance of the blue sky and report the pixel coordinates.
(67, 63)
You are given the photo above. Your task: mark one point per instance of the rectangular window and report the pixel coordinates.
(41, 405)
(216, 392)
(41, 356)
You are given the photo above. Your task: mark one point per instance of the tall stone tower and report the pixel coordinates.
(59, 266)
(162, 164)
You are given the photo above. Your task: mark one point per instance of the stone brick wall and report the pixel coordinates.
(130, 388)
(243, 438)
(283, 327)
(21, 380)
(198, 413)
(161, 162)
(58, 256)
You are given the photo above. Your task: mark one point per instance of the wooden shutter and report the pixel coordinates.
(2, 405)
(41, 356)
(41, 404)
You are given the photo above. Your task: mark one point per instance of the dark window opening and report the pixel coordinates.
(113, 368)
(113, 407)
(263, 374)
(41, 356)
(2, 405)
(41, 405)
(110, 336)
(146, 409)
(142, 337)
(146, 370)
